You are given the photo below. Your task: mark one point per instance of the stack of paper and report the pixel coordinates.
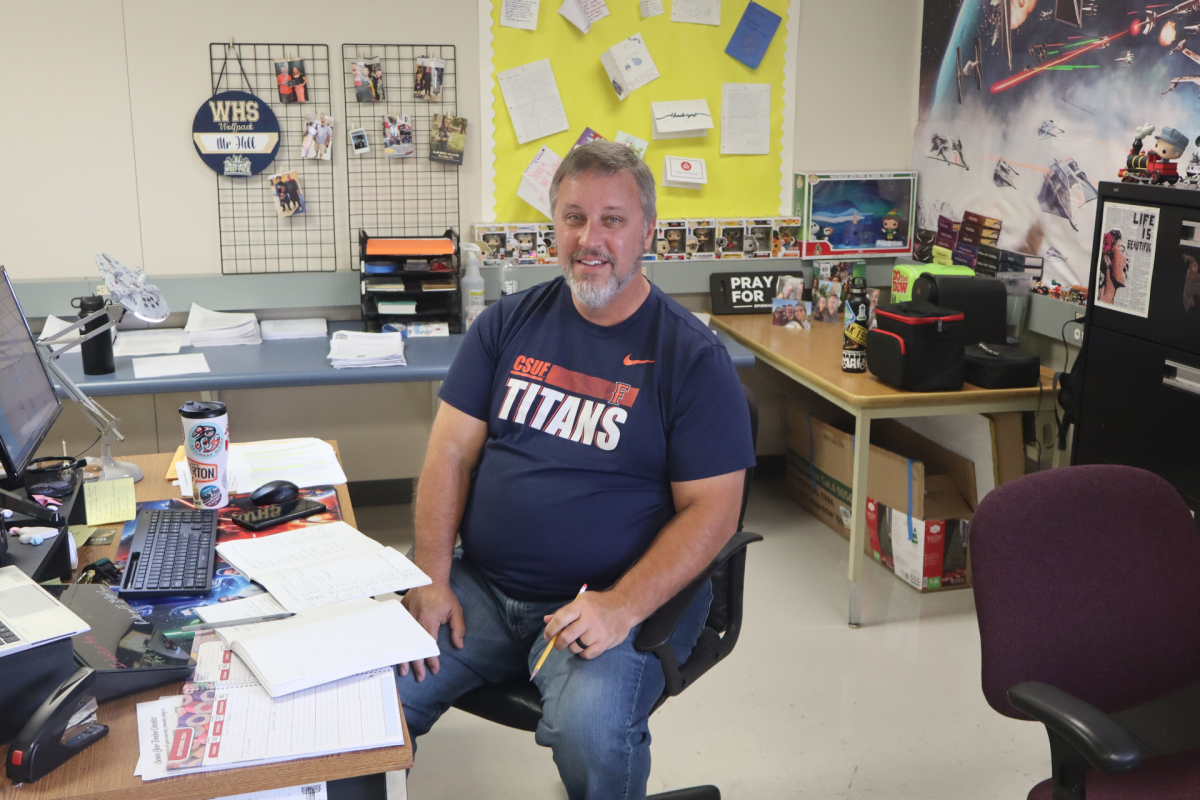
(304, 462)
(213, 328)
(294, 329)
(321, 564)
(150, 342)
(357, 349)
(314, 647)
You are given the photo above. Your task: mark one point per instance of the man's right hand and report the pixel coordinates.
(432, 607)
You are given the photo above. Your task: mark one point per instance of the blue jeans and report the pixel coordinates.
(594, 713)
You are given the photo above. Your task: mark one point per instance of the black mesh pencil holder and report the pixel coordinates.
(54, 477)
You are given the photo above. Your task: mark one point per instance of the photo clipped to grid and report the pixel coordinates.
(283, 219)
(394, 189)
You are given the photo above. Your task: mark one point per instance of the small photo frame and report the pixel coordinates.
(398, 136)
(286, 194)
(428, 77)
(358, 140)
(366, 78)
(857, 213)
(788, 313)
(317, 141)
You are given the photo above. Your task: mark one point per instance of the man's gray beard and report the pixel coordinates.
(592, 293)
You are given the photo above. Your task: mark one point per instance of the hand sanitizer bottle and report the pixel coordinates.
(471, 285)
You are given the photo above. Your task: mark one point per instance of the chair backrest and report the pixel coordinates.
(719, 610)
(1087, 578)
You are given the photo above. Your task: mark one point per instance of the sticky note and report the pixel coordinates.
(109, 501)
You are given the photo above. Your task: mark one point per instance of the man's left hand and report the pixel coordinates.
(589, 624)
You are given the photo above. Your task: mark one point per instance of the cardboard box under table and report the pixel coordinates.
(920, 496)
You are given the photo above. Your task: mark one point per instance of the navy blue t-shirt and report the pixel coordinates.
(587, 428)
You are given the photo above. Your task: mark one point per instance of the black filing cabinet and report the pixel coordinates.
(1141, 374)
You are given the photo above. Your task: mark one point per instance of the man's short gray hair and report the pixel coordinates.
(607, 158)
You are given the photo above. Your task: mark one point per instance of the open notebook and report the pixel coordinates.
(314, 647)
(321, 564)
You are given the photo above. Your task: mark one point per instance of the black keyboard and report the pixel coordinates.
(6, 635)
(171, 554)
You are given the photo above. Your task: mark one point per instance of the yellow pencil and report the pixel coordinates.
(550, 646)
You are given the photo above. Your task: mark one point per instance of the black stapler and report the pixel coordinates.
(63, 726)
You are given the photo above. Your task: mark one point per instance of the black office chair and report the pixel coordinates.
(518, 704)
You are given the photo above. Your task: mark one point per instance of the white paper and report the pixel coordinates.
(629, 65)
(218, 665)
(255, 558)
(360, 349)
(163, 366)
(308, 791)
(680, 119)
(53, 325)
(156, 720)
(348, 578)
(333, 642)
(535, 182)
(521, 14)
(582, 13)
(746, 118)
(1127, 289)
(314, 328)
(703, 12)
(534, 104)
(684, 173)
(150, 342)
(203, 319)
(650, 8)
(259, 605)
(304, 462)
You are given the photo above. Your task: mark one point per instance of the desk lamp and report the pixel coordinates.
(129, 289)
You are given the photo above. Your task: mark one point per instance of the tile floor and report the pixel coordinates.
(804, 707)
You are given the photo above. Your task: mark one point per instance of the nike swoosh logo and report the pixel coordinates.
(629, 362)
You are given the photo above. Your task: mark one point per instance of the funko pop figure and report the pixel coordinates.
(733, 240)
(704, 240)
(1158, 165)
(674, 239)
(693, 244)
(662, 247)
(891, 226)
(495, 244)
(525, 243)
(787, 238)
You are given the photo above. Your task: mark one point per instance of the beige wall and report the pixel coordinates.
(110, 88)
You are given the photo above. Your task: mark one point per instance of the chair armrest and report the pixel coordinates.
(1095, 735)
(660, 626)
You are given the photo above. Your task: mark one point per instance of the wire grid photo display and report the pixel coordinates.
(410, 196)
(254, 238)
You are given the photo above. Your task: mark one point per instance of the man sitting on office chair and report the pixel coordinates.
(592, 431)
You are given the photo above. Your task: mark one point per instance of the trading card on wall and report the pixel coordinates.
(366, 77)
(493, 238)
(758, 238)
(731, 238)
(448, 139)
(285, 191)
(358, 139)
(547, 247)
(522, 242)
(857, 213)
(705, 233)
(398, 136)
(786, 240)
(672, 237)
(427, 80)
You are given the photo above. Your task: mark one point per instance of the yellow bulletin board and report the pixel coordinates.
(692, 64)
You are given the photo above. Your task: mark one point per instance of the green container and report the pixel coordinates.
(904, 275)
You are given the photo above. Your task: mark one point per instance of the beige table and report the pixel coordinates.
(104, 771)
(812, 358)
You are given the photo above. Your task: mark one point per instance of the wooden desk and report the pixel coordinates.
(104, 771)
(812, 358)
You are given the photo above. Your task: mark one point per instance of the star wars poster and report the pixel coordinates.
(1026, 105)
(1125, 263)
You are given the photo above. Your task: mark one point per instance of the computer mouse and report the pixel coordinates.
(274, 492)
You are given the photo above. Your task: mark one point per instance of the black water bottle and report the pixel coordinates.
(97, 351)
(854, 339)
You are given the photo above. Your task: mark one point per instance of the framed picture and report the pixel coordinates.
(856, 213)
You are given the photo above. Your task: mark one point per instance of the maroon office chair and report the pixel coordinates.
(1087, 588)
(518, 704)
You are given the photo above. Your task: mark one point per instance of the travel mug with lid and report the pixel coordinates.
(206, 447)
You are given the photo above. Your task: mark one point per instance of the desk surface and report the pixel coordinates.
(292, 362)
(815, 355)
(104, 771)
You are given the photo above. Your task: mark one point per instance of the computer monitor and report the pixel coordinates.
(28, 405)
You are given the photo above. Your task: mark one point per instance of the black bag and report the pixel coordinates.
(917, 346)
(999, 366)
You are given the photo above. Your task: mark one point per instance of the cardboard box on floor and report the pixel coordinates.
(930, 553)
